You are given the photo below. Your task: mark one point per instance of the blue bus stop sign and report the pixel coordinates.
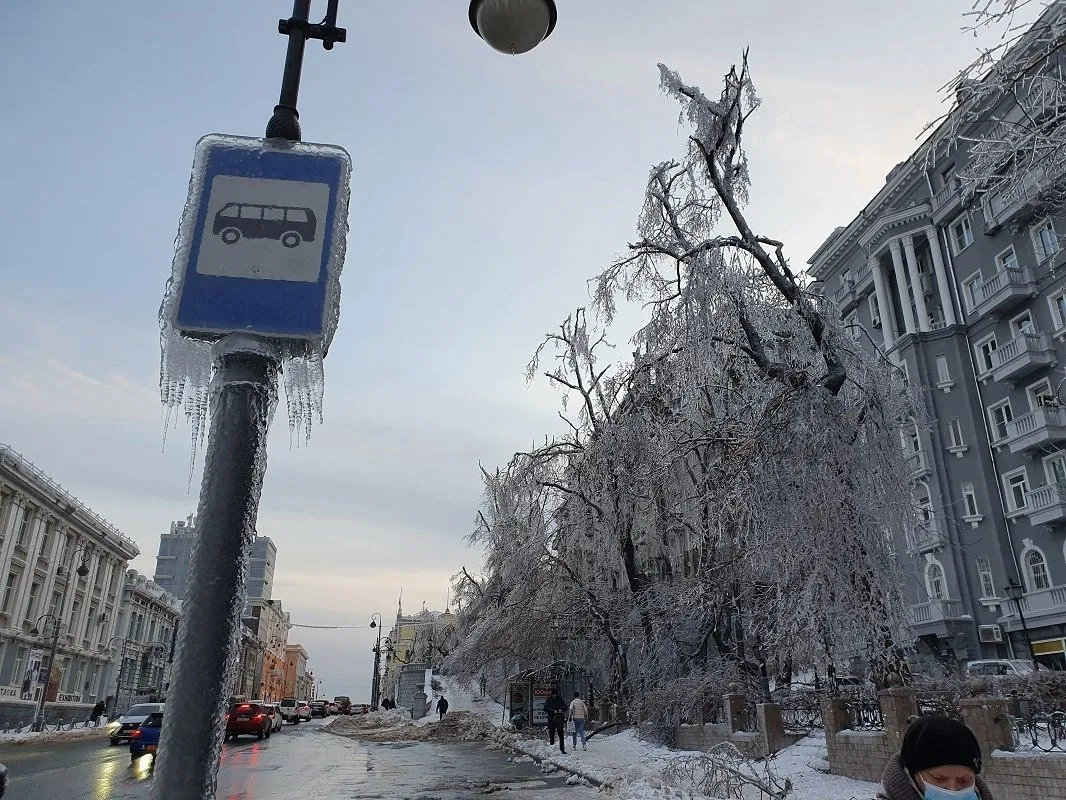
(261, 244)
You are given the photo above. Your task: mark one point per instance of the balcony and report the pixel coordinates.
(1045, 426)
(933, 616)
(946, 202)
(1004, 290)
(1021, 356)
(843, 295)
(863, 277)
(918, 464)
(926, 537)
(1016, 196)
(1042, 607)
(1047, 504)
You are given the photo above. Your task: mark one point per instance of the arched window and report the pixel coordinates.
(934, 581)
(1036, 574)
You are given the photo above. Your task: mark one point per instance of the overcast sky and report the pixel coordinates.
(486, 189)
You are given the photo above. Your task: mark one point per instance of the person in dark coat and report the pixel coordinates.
(555, 708)
(940, 760)
(442, 706)
(96, 713)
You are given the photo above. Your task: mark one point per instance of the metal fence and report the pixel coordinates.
(864, 714)
(25, 726)
(802, 713)
(1040, 732)
(939, 704)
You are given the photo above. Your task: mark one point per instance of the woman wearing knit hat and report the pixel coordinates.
(940, 760)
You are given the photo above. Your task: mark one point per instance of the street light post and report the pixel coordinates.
(57, 622)
(1015, 591)
(375, 686)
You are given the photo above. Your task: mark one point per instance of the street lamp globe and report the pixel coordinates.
(1014, 590)
(83, 570)
(513, 26)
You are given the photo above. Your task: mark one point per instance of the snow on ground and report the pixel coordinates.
(25, 737)
(623, 763)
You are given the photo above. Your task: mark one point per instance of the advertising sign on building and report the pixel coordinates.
(540, 697)
(33, 674)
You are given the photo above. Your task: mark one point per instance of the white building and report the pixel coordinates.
(147, 626)
(46, 535)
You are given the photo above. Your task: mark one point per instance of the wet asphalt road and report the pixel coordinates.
(297, 762)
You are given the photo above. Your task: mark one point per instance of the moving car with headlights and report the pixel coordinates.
(122, 729)
(248, 719)
(145, 739)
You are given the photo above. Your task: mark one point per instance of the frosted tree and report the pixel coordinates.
(1010, 104)
(726, 501)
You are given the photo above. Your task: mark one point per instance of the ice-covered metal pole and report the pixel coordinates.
(243, 398)
(375, 686)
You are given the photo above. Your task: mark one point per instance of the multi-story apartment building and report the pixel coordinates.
(966, 292)
(147, 630)
(261, 569)
(270, 624)
(46, 535)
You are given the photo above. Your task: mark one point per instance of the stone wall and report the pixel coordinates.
(862, 754)
(768, 737)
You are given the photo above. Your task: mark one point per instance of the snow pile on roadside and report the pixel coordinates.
(26, 737)
(396, 726)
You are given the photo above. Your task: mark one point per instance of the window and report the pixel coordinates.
(1001, 416)
(984, 350)
(274, 214)
(46, 534)
(74, 623)
(20, 660)
(9, 589)
(1008, 259)
(948, 179)
(875, 309)
(984, 570)
(54, 604)
(251, 212)
(969, 501)
(296, 215)
(955, 432)
(31, 607)
(961, 235)
(1055, 468)
(1016, 485)
(1045, 242)
(1036, 573)
(1039, 394)
(94, 679)
(943, 372)
(1023, 323)
(934, 581)
(851, 325)
(228, 211)
(1057, 302)
(24, 526)
(971, 289)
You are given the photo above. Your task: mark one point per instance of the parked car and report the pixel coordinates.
(343, 703)
(248, 719)
(290, 710)
(303, 710)
(275, 716)
(360, 708)
(122, 728)
(999, 666)
(333, 708)
(319, 708)
(145, 739)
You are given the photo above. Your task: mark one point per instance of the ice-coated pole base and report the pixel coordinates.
(243, 397)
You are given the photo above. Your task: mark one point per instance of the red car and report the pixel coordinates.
(248, 719)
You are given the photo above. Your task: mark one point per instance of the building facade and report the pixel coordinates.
(270, 624)
(46, 535)
(297, 680)
(148, 622)
(261, 569)
(966, 292)
(174, 557)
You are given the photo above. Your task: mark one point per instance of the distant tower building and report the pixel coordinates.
(174, 561)
(261, 569)
(175, 556)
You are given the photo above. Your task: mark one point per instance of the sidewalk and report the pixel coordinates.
(27, 737)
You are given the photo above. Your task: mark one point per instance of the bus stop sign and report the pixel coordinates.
(261, 243)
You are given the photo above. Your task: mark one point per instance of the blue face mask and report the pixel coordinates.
(936, 793)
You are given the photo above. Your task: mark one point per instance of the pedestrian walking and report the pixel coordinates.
(442, 706)
(96, 713)
(940, 760)
(555, 708)
(579, 712)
